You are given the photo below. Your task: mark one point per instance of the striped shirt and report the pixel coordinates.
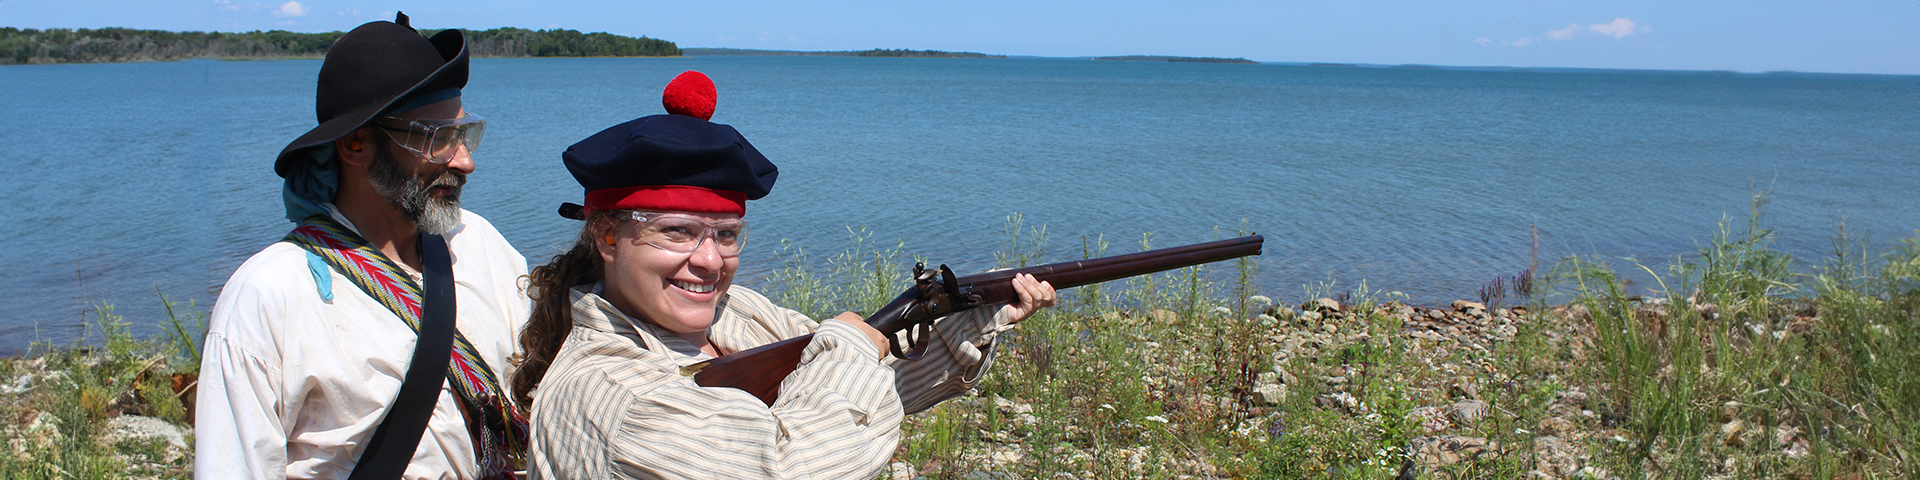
(614, 405)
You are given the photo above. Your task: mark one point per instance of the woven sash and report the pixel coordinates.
(498, 429)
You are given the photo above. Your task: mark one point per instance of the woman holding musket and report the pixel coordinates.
(647, 289)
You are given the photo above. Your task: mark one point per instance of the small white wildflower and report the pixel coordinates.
(1222, 311)
(1155, 418)
(1260, 301)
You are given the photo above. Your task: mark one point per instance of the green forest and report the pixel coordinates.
(59, 45)
(878, 52)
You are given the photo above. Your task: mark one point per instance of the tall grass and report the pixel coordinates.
(1742, 367)
(62, 398)
(1743, 364)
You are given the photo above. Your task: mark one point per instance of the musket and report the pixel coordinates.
(908, 319)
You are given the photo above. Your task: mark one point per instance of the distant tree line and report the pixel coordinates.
(520, 42)
(882, 52)
(59, 45)
(878, 52)
(1167, 58)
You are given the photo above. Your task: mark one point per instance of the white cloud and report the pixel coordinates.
(1564, 33)
(225, 5)
(1619, 28)
(350, 13)
(290, 9)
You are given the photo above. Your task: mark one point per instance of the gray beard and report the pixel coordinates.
(409, 194)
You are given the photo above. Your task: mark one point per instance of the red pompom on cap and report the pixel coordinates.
(690, 94)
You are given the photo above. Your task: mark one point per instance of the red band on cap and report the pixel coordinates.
(679, 198)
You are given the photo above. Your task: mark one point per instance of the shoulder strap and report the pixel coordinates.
(398, 435)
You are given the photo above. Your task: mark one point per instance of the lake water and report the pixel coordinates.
(123, 180)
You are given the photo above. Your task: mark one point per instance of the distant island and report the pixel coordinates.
(59, 45)
(878, 52)
(1166, 58)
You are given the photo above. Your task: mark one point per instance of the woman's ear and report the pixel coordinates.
(604, 240)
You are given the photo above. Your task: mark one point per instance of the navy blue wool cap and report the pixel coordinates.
(669, 162)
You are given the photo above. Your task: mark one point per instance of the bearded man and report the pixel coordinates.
(335, 352)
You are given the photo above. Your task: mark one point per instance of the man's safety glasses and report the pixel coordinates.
(434, 139)
(682, 233)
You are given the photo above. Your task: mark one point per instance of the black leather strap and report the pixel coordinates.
(398, 435)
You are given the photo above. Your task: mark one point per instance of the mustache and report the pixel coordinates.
(449, 179)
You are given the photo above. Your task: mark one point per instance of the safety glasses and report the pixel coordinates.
(434, 139)
(682, 233)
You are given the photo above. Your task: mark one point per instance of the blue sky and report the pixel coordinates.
(1843, 36)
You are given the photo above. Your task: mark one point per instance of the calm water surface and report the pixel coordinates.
(124, 181)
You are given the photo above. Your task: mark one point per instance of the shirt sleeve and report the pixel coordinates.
(959, 351)
(238, 420)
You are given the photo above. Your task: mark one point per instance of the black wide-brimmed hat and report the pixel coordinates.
(369, 71)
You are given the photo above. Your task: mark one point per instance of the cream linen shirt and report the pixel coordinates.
(292, 386)
(614, 405)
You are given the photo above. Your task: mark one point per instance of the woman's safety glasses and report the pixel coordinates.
(681, 233)
(434, 139)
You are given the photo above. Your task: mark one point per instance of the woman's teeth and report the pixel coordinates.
(692, 287)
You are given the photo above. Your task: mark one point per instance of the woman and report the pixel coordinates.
(648, 289)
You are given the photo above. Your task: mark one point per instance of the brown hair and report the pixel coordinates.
(552, 319)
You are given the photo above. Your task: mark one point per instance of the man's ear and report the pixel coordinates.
(356, 147)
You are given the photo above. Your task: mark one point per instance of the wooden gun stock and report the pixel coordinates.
(936, 293)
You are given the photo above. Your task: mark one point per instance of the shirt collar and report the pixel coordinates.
(590, 310)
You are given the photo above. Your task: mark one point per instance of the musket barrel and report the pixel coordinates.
(1073, 274)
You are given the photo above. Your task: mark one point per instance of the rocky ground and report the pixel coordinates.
(62, 423)
(1474, 392)
(1356, 391)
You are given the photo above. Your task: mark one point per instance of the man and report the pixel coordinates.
(312, 338)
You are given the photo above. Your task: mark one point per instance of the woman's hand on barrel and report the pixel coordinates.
(1034, 295)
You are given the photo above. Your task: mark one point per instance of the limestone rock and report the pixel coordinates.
(1432, 420)
(1464, 387)
(1468, 412)
(1469, 308)
(135, 427)
(1272, 393)
(1428, 453)
(901, 471)
(1730, 433)
(1322, 305)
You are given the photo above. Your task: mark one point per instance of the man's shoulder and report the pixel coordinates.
(280, 265)
(473, 223)
(476, 234)
(265, 288)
